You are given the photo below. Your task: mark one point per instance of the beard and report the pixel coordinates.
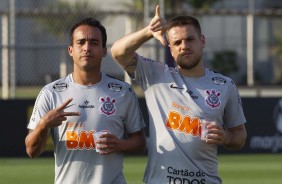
(189, 63)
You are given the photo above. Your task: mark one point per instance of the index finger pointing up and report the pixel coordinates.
(157, 10)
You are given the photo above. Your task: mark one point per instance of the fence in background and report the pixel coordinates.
(35, 39)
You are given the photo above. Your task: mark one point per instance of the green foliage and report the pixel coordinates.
(225, 62)
(202, 4)
(277, 51)
(64, 15)
(137, 7)
(278, 46)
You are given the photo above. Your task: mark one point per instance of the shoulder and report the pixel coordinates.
(59, 85)
(119, 86)
(116, 85)
(152, 69)
(223, 82)
(219, 79)
(146, 60)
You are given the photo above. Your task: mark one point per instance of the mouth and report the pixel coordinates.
(185, 54)
(87, 57)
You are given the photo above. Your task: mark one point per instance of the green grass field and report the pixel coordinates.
(234, 169)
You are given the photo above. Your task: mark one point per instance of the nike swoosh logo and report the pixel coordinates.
(175, 87)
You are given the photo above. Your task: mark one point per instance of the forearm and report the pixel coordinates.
(235, 138)
(124, 48)
(36, 141)
(135, 143)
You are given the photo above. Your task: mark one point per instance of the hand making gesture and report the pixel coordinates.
(56, 116)
(158, 26)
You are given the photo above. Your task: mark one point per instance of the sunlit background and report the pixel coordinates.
(244, 38)
(243, 42)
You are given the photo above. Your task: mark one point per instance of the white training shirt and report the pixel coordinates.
(176, 105)
(110, 105)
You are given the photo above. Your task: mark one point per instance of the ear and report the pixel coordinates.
(203, 39)
(70, 50)
(105, 51)
(170, 50)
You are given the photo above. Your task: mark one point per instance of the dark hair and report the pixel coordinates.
(90, 22)
(182, 21)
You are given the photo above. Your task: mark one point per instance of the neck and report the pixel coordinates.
(198, 71)
(86, 78)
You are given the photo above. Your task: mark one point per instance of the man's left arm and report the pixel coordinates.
(135, 143)
(231, 138)
(235, 138)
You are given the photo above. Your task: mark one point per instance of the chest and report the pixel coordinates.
(97, 106)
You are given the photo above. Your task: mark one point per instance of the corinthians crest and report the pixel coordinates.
(108, 106)
(212, 100)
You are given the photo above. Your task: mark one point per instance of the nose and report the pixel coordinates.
(86, 47)
(184, 45)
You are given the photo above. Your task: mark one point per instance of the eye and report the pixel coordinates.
(94, 42)
(80, 42)
(177, 43)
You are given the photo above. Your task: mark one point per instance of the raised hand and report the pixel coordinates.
(158, 26)
(56, 116)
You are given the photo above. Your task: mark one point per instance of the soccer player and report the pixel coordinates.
(72, 108)
(179, 99)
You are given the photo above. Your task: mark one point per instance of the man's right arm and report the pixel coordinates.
(123, 50)
(36, 140)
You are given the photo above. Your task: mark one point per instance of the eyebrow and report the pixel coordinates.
(88, 39)
(187, 37)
